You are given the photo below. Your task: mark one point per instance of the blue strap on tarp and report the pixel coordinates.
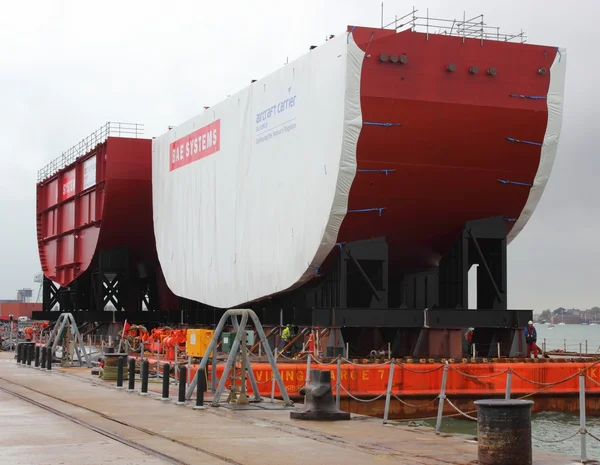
(510, 220)
(532, 97)
(363, 210)
(316, 268)
(511, 139)
(340, 244)
(377, 171)
(517, 183)
(348, 36)
(375, 123)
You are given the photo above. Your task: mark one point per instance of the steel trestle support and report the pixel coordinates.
(240, 326)
(55, 336)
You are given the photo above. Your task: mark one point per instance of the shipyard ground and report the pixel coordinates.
(66, 416)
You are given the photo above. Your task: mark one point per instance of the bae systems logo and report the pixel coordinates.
(195, 146)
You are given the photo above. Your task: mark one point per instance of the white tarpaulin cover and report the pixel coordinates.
(249, 196)
(554, 101)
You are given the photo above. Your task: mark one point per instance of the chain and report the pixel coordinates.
(553, 441)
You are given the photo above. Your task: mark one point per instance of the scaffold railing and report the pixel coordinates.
(110, 129)
(472, 28)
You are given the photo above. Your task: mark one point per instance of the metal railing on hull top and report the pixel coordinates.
(112, 129)
(472, 28)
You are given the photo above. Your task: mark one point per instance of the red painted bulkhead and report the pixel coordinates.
(74, 222)
(448, 139)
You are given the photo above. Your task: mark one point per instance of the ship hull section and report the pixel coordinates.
(101, 201)
(450, 146)
(249, 196)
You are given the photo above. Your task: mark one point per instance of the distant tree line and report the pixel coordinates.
(591, 314)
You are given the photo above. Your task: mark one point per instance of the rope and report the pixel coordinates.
(539, 383)
(460, 411)
(414, 405)
(362, 400)
(553, 441)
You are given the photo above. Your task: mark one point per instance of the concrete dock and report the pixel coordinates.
(66, 416)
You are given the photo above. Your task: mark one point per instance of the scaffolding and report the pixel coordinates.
(472, 28)
(84, 146)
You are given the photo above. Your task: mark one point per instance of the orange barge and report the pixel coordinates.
(553, 384)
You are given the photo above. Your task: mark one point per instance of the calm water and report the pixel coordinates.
(571, 335)
(549, 425)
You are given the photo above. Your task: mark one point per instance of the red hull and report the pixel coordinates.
(447, 141)
(114, 210)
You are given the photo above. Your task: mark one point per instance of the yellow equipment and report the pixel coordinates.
(197, 342)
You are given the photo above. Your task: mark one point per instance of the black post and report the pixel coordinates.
(37, 356)
(145, 369)
(19, 351)
(49, 358)
(131, 375)
(120, 366)
(29, 353)
(166, 380)
(23, 353)
(43, 363)
(182, 380)
(201, 388)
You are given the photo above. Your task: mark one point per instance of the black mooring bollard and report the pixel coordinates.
(120, 366)
(145, 370)
(36, 363)
(131, 375)
(19, 350)
(166, 381)
(319, 404)
(43, 362)
(200, 389)
(182, 379)
(49, 359)
(23, 353)
(29, 353)
(504, 431)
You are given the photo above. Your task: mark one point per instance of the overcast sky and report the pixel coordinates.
(68, 67)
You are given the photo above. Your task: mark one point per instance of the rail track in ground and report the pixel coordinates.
(109, 434)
